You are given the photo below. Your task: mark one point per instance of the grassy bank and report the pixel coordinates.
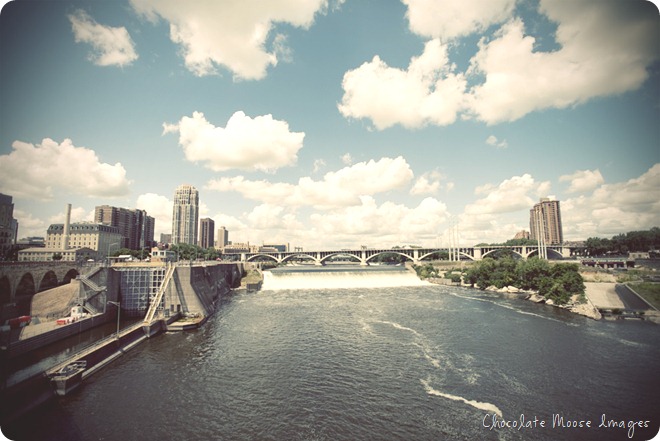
(650, 291)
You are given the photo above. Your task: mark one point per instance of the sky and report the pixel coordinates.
(335, 123)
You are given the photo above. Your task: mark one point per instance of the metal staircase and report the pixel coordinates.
(87, 281)
(86, 296)
(155, 301)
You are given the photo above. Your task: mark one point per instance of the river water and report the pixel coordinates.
(419, 362)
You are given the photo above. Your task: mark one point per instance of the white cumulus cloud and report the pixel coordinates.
(273, 217)
(510, 195)
(593, 60)
(492, 140)
(341, 188)
(160, 208)
(231, 34)
(112, 46)
(429, 183)
(428, 92)
(387, 224)
(318, 165)
(614, 208)
(38, 171)
(583, 180)
(605, 48)
(347, 159)
(450, 19)
(262, 143)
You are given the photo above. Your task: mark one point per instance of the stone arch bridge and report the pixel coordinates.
(415, 255)
(19, 281)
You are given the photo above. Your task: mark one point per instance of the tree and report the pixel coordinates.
(425, 271)
(57, 256)
(505, 273)
(531, 271)
(520, 242)
(623, 243)
(503, 254)
(187, 251)
(439, 255)
(597, 246)
(389, 258)
(557, 282)
(481, 274)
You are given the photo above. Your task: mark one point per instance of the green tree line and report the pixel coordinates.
(557, 281)
(632, 241)
(184, 251)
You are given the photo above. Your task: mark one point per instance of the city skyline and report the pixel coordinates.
(335, 123)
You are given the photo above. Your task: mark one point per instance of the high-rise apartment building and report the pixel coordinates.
(135, 225)
(545, 222)
(185, 215)
(8, 225)
(223, 238)
(206, 227)
(165, 238)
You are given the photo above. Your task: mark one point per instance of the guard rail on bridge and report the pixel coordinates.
(414, 254)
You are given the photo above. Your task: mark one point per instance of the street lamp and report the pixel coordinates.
(118, 305)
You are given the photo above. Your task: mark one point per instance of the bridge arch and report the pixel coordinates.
(5, 290)
(70, 275)
(298, 256)
(256, 256)
(464, 254)
(380, 253)
(340, 253)
(500, 249)
(460, 253)
(550, 251)
(48, 281)
(26, 286)
(25, 290)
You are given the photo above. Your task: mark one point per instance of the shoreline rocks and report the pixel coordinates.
(586, 309)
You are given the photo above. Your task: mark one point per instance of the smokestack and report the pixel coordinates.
(67, 221)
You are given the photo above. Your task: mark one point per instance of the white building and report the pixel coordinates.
(103, 239)
(40, 254)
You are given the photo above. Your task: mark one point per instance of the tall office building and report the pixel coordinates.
(136, 226)
(223, 238)
(185, 215)
(206, 232)
(8, 225)
(545, 222)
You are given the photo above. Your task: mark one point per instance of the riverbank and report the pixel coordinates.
(586, 309)
(593, 293)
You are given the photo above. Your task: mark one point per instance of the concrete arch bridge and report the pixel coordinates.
(415, 255)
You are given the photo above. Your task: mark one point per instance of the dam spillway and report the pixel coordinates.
(339, 277)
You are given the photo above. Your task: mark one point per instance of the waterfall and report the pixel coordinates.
(339, 276)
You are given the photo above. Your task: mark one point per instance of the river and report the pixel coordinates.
(418, 362)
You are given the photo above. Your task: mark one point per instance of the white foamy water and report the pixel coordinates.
(477, 404)
(339, 277)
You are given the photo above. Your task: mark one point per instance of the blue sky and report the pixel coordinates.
(327, 123)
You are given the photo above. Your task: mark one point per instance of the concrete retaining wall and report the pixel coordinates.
(196, 289)
(21, 398)
(193, 290)
(18, 347)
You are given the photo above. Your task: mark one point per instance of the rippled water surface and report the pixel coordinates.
(423, 363)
